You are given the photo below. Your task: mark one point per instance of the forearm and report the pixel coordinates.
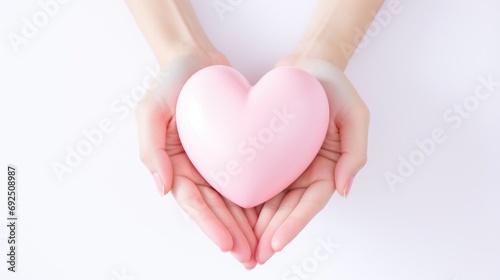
(335, 25)
(169, 26)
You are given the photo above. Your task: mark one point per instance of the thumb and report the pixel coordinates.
(351, 116)
(353, 129)
(152, 124)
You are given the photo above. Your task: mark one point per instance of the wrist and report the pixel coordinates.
(317, 49)
(171, 28)
(205, 54)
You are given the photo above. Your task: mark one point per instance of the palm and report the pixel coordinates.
(229, 226)
(284, 216)
(222, 221)
(275, 223)
(343, 153)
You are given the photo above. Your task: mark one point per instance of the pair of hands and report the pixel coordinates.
(252, 235)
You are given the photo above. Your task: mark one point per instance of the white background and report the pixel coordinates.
(104, 220)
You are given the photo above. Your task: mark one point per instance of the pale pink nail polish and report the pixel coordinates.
(159, 184)
(348, 186)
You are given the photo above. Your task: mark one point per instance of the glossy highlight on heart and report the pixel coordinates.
(251, 142)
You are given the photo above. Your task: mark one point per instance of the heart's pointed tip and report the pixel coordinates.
(246, 197)
(247, 204)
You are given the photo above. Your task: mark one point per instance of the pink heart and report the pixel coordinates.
(250, 143)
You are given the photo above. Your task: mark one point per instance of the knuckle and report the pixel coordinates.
(193, 206)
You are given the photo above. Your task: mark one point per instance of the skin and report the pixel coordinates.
(182, 48)
(344, 151)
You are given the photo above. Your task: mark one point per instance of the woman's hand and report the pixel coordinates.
(229, 226)
(341, 156)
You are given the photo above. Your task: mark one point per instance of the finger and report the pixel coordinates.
(267, 213)
(189, 198)
(258, 208)
(265, 250)
(352, 118)
(241, 248)
(252, 216)
(353, 129)
(244, 225)
(250, 264)
(312, 201)
(152, 124)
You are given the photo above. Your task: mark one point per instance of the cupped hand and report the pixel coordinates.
(341, 156)
(229, 226)
(252, 235)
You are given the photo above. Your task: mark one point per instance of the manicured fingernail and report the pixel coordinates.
(348, 186)
(159, 184)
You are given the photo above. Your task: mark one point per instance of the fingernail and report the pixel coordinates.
(159, 184)
(348, 186)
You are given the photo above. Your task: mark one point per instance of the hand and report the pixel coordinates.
(341, 156)
(229, 226)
